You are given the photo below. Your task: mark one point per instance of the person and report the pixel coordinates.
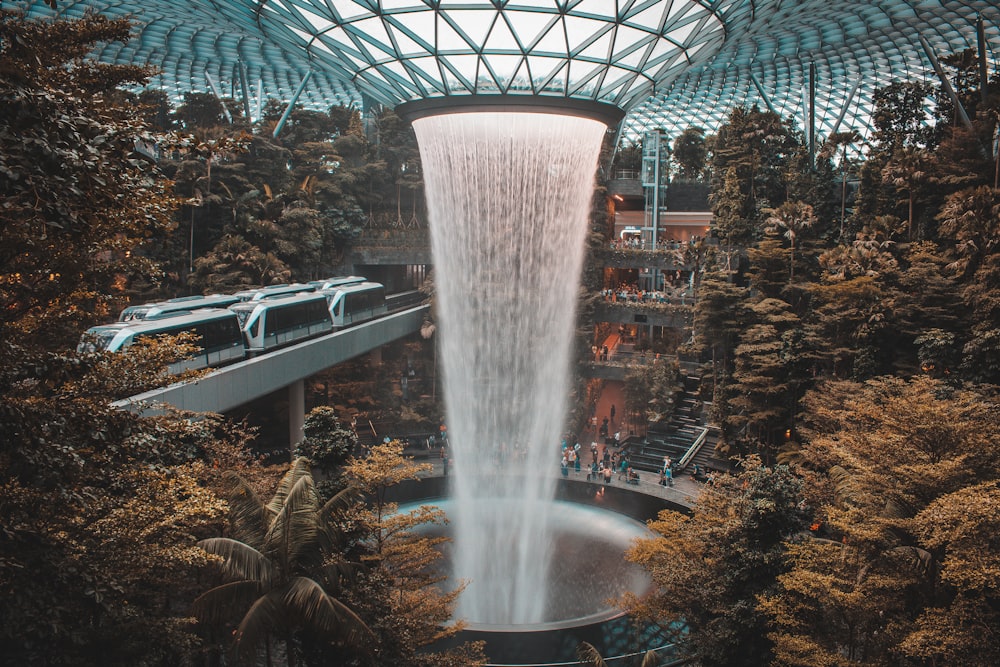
(564, 467)
(607, 475)
(592, 476)
(444, 459)
(669, 475)
(603, 431)
(612, 412)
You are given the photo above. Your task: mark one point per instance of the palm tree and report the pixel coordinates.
(793, 217)
(588, 654)
(282, 564)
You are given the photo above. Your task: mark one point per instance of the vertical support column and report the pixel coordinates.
(245, 90)
(981, 46)
(812, 115)
(296, 412)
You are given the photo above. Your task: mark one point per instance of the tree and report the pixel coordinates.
(235, 264)
(399, 593)
(892, 467)
(792, 217)
(690, 153)
(327, 444)
(708, 569)
(69, 179)
(101, 508)
(764, 382)
(284, 564)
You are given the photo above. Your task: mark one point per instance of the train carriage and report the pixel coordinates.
(271, 323)
(353, 304)
(217, 333)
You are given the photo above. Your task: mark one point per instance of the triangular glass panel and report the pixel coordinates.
(542, 67)
(394, 5)
(348, 9)
(520, 81)
(338, 39)
(418, 26)
(427, 69)
(681, 33)
(626, 38)
(600, 8)
(553, 42)
(580, 30)
(527, 26)
(599, 49)
(475, 23)
(501, 39)
(462, 66)
(373, 33)
(650, 18)
(448, 40)
(501, 68)
(634, 59)
(405, 45)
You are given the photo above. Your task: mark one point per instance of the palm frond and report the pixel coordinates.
(299, 467)
(240, 560)
(248, 515)
(225, 602)
(294, 528)
(316, 609)
(590, 655)
(264, 616)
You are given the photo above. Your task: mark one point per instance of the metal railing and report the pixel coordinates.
(692, 450)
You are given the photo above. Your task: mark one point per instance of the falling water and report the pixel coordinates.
(508, 196)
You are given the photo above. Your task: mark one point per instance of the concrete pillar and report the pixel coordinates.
(296, 412)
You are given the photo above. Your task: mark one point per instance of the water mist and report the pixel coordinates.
(508, 195)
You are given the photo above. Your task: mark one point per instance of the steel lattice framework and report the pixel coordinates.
(669, 63)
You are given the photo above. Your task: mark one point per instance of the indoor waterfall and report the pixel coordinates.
(509, 196)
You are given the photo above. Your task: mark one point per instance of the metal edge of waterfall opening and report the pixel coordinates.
(608, 114)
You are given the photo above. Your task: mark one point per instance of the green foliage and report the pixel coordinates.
(284, 563)
(902, 474)
(709, 569)
(327, 443)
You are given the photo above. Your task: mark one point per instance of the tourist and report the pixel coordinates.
(444, 459)
(564, 467)
(612, 413)
(607, 475)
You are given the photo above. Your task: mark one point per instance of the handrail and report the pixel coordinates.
(693, 450)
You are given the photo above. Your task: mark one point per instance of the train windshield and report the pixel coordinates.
(134, 313)
(97, 340)
(242, 314)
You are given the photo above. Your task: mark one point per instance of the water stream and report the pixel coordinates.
(508, 196)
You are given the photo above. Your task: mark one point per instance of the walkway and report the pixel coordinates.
(684, 491)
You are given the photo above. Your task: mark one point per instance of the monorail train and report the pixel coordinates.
(217, 330)
(248, 323)
(273, 291)
(180, 304)
(353, 304)
(333, 283)
(275, 322)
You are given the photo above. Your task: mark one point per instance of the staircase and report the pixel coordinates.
(672, 438)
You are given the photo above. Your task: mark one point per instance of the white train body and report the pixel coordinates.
(356, 303)
(217, 334)
(271, 323)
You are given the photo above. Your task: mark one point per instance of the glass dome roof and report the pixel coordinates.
(668, 63)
